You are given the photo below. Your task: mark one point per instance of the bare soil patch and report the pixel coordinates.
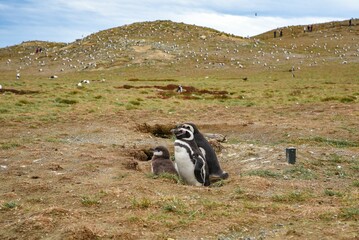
(18, 92)
(90, 179)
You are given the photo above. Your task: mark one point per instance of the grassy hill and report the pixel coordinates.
(178, 45)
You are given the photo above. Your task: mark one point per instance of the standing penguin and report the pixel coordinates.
(190, 163)
(215, 171)
(161, 162)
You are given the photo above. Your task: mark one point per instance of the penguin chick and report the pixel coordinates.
(161, 162)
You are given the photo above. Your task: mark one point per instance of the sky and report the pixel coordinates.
(68, 20)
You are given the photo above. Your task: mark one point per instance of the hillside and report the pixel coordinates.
(166, 43)
(148, 43)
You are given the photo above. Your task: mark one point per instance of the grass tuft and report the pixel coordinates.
(9, 205)
(263, 173)
(175, 206)
(350, 214)
(66, 101)
(88, 201)
(335, 143)
(143, 203)
(172, 177)
(291, 197)
(300, 172)
(8, 145)
(332, 193)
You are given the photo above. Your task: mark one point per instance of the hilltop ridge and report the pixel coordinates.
(167, 43)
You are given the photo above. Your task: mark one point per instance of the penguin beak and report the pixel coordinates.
(177, 131)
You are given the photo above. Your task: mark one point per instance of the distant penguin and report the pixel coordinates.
(179, 89)
(214, 168)
(161, 162)
(190, 163)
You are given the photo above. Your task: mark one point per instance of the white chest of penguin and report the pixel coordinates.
(185, 166)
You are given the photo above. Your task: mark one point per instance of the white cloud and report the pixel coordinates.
(242, 25)
(67, 20)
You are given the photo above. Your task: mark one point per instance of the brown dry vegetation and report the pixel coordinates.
(73, 159)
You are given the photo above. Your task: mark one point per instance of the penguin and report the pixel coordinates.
(179, 89)
(214, 168)
(190, 163)
(161, 162)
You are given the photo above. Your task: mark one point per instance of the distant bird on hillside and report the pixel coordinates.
(83, 81)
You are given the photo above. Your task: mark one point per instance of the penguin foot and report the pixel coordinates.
(217, 177)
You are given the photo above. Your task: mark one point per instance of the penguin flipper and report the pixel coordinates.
(201, 170)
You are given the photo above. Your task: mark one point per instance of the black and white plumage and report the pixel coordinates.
(161, 162)
(214, 168)
(189, 160)
(179, 89)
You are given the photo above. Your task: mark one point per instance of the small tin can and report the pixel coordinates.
(290, 155)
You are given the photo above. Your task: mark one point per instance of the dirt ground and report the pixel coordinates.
(79, 179)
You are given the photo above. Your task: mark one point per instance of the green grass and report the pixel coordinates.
(9, 205)
(351, 213)
(171, 177)
(66, 101)
(356, 183)
(332, 193)
(238, 191)
(181, 208)
(141, 203)
(93, 200)
(9, 145)
(334, 142)
(259, 91)
(174, 206)
(300, 172)
(23, 102)
(336, 159)
(90, 201)
(263, 173)
(291, 197)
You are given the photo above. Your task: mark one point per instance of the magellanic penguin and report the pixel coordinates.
(190, 163)
(214, 168)
(161, 162)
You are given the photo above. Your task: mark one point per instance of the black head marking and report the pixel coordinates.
(183, 134)
(161, 151)
(190, 126)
